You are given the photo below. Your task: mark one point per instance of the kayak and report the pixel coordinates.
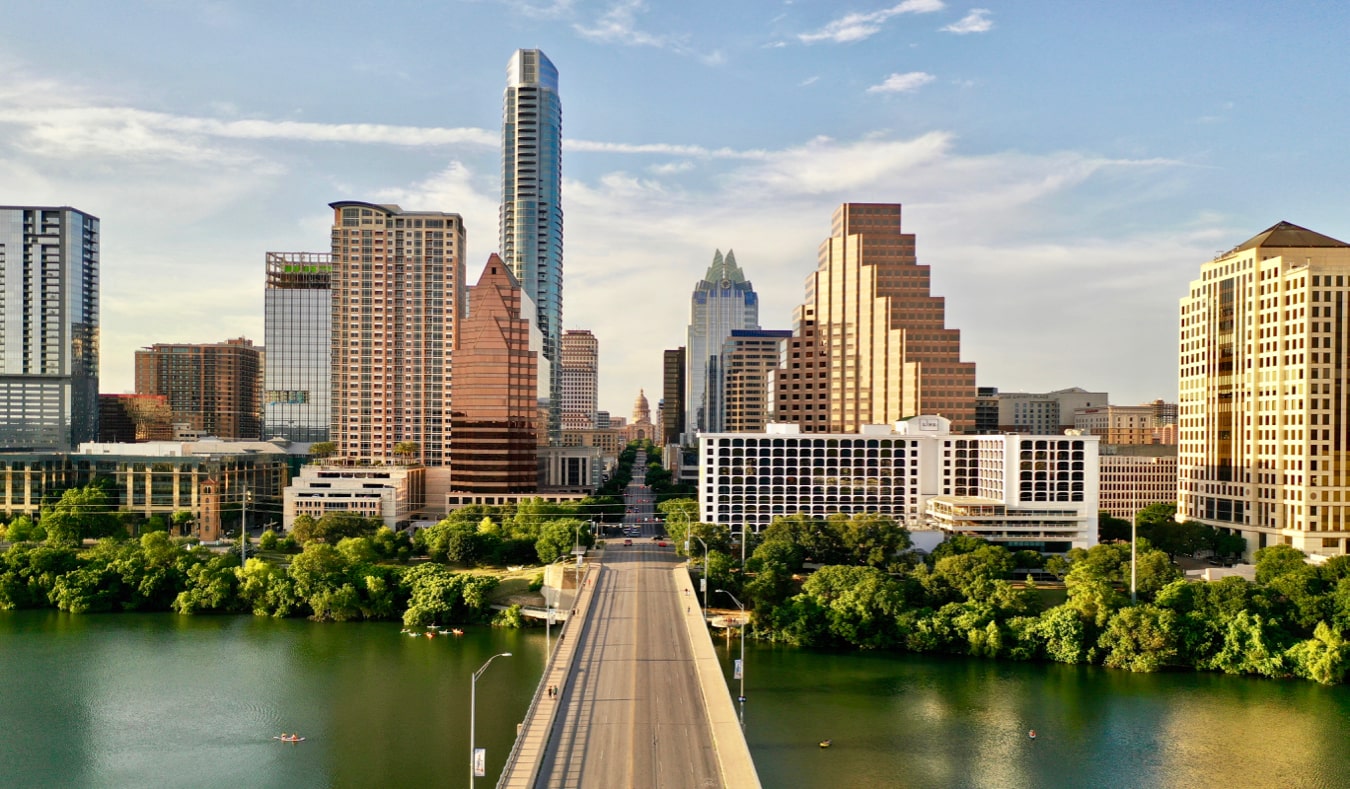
(290, 739)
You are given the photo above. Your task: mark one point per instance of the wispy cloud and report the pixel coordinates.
(808, 81)
(618, 25)
(858, 26)
(903, 83)
(977, 21)
(553, 10)
(671, 168)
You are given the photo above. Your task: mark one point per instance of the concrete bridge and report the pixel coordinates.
(642, 700)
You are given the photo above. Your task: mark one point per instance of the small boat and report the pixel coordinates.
(456, 632)
(290, 738)
(430, 634)
(1031, 735)
(824, 743)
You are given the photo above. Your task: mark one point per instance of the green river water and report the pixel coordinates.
(159, 700)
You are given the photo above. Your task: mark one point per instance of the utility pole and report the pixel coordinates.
(243, 529)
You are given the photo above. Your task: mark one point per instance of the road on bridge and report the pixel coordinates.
(632, 712)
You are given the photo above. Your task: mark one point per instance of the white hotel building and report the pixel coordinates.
(1025, 491)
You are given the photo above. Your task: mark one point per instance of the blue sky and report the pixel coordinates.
(1066, 167)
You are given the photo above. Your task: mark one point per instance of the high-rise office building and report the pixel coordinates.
(493, 440)
(49, 260)
(672, 395)
(1265, 392)
(212, 388)
(882, 334)
(531, 216)
(797, 389)
(748, 358)
(722, 301)
(580, 371)
(398, 293)
(298, 335)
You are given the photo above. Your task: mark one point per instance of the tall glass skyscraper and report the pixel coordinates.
(531, 216)
(48, 327)
(724, 300)
(298, 336)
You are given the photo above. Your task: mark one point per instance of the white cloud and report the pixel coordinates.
(808, 81)
(174, 190)
(618, 25)
(903, 83)
(671, 168)
(977, 21)
(858, 26)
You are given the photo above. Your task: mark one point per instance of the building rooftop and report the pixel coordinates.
(1287, 234)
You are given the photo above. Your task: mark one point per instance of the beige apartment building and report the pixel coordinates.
(882, 339)
(1124, 424)
(1265, 406)
(748, 358)
(1133, 476)
(580, 373)
(398, 292)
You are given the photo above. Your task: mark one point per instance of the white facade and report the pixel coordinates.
(1034, 491)
(391, 493)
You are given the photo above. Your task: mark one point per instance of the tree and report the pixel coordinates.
(1324, 658)
(873, 540)
(1276, 560)
(1110, 529)
(556, 539)
(405, 451)
(81, 513)
(972, 574)
(331, 527)
(182, 522)
(22, 529)
(321, 450)
(1140, 638)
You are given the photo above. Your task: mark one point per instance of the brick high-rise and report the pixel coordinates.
(213, 387)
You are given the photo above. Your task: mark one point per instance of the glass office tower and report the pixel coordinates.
(531, 216)
(49, 260)
(298, 336)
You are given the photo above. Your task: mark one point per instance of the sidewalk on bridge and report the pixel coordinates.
(733, 754)
(522, 767)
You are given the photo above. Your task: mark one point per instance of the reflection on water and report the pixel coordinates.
(162, 700)
(909, 721)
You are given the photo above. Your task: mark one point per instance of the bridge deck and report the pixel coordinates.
(642, 700)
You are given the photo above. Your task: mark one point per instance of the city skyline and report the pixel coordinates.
(1089, 192)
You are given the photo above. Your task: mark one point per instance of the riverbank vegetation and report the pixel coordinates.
(77, 558)
(838, 583)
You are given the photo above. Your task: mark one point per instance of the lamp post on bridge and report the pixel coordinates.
(474, 765)
(705, 569)
(740, 668)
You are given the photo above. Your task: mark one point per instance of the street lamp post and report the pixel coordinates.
(742, 671)
(1134, 566)
(473, 702)
(705, 574)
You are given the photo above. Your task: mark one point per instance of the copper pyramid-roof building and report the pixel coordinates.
(1289, 236)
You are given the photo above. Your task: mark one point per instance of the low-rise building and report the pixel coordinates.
(394, 494)
(1024, 491)
(207, 479)
(1135, 476)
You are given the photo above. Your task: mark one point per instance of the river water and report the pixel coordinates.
(158, 700)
